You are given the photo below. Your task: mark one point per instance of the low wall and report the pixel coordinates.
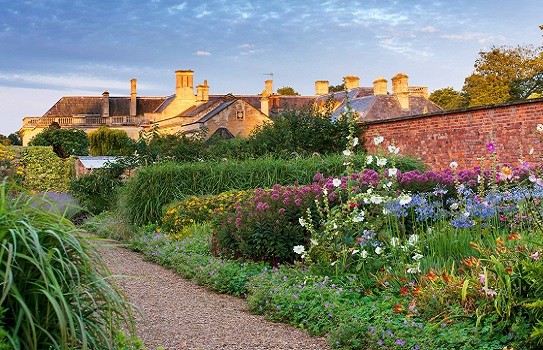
(462, 135)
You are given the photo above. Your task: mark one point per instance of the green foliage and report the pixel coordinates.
(505, 74)
(287, 91)
(96, 192)
(145, 194)
(448, 99)
(44, 170)
(110, 225)
(302, 133)
(65, 142)
(179, 148)
(15, 139)
(110, 142)
(54, 290)
(337, 88)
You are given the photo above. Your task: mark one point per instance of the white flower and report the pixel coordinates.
(413, 240)
(369, 159)
(381, 161)
(313, 241)
(454, 206)
(355, 251)
(347, 153)
(386, 211)
(364, 254)
(299, 249)
(378, 139)
(453, 165)
(336, 182)
(359, 217)
(414, 270)
(418, 256)
(302, 222)
(376, 199)
(378, 250)
(394, 241)
(405, 199)
(539, 127)
(355, 141)
(393, 149)
(392, 172)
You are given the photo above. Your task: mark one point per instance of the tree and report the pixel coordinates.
(15, 139)
(337, 88)
(110, 142)
(448, 98)
(505, 74)
(287, 91)
(4, 140)
(65, 142)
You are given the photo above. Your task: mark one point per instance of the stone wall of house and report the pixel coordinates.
(463, 135)
(240, 119)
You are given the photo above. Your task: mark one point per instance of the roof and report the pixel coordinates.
(69, 106)
(92, 162)
(382, 107)
(215, 111)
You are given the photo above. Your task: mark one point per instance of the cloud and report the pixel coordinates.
(178, 8)
(404, 48)
(429, 29)
(68, 81)
(202, 53)
(474, 36)
(246, 46)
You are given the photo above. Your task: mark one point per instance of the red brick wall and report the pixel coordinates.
(462, 136)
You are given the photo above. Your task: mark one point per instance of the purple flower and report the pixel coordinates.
(400, 342)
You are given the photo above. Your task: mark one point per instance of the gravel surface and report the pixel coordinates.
(178, 314)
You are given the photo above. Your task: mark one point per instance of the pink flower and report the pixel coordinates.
(535, 255)
(490, 147)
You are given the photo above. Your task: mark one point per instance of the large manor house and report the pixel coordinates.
(188, 111)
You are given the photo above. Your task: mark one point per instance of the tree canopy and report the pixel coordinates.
(65, 142)
(448, 98)
(287, 91)
(110, 142)
(505, 74)
(337, 88)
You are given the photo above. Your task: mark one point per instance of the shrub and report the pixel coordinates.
(110, 142)
(65, 142)
(45, 171)
(54, 291)
(96, 192)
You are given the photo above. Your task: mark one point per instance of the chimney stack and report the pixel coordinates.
(202, 92)
(351, 81)
(133, 95)
(400, 88)
(269, 87)
(184, 83)
(265, 104)
(380, 86)
(322, 87)
(105, 104)
(421, 91)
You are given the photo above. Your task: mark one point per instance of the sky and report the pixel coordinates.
(55, 48)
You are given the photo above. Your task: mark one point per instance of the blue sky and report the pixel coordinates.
(55, 48)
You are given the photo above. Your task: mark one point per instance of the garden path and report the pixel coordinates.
(178, 314)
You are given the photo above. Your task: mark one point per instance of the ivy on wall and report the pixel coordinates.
(44, 170)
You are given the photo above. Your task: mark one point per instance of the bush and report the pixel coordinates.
(45, 171)
(65, 142)
(54, 291)
(110, 142)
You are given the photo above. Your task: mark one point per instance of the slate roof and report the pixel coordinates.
(91, 162)
(87, 105)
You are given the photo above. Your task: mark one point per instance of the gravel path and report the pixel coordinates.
(178, 314)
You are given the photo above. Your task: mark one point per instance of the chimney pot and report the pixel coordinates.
(400, 88)
(184, 83)
(269, 87)
(380, 86)
(322, 87)
(351, 81)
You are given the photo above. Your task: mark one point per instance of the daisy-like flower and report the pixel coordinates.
(299, 249)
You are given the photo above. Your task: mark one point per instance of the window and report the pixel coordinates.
(239, 114)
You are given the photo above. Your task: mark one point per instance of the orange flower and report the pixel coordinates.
(417, 290)
(431, 275)
(404, 290)
(469, 262)
(446, 277)
(514, 237)
(398, 308)
(499, 241)
(508, 270)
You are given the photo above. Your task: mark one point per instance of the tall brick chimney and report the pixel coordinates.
(133, 97)
(322, 87)
(351, 81)
(380, 86)
(105, 104)
(202, 92)
(400, 88)
(269, 87)
(184, 83)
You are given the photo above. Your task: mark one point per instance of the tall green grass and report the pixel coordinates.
(54, 289)
(143, 196)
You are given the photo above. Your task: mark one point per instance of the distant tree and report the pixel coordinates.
(337, 88)
(287, 91)
(505, 74)
(110, 142)
(4, 140)
(65, 142)
(448, 98)
(15, 139)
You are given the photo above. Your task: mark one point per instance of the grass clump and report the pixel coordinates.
(55, 294)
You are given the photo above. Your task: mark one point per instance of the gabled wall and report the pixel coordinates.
(462, 136)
